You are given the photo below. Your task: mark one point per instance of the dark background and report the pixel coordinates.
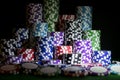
(106, 17)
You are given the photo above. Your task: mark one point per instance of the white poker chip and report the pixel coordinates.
(114, 69)
(29, 65)
(48, 71)
(29, 68)
(75, 71)
(98, 71)
(9, 69)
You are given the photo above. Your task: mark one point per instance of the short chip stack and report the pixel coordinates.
(83, 47)
(9, 69)
(102, 56)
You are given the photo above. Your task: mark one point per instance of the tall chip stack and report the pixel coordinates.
(84, 13)
(45, 48)
(51, 13)
(33, 14)
(73, 32)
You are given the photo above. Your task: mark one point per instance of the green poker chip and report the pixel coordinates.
(51, 10)
(94, 36)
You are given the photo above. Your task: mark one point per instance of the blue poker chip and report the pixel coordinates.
(114, 69)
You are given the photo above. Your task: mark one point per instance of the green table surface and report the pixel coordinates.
(59, 77)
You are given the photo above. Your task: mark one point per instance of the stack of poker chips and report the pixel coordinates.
(95, 37)
(45, 48)
(84, 48)
(74, 59)
(27, 54)
(74, 71)
(51, 10)
(34, 19)
(60, 50)
(28, 68)
(48, 71)
(17, 59)
(73, 31)
(114, 68)
(9, 69)
(58, 38)
(102, 56)
(8, 47)
(51, 13)
(84, 13)
(63, 19)
(33, 14)
(98, 71)
(21, 35)
(41, 29)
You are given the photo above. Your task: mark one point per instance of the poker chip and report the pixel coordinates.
(115, 62)
(58, 38)
(88, 65)
(73, 30)
(74, 71)
(62, 20)
(28, 68)
(60, 50)
(27, 54)
(74, 59)
(51, 10)
(114, 69)
(84, 13)
(83, 47)
(94, 36)
(55, 62)
(98, 71)
(8, 47)
(40, 29)
(9, 69)
(48, 71)
(15, 59)
(45, 48)
(33, 14)
(60, 66)
(102, 56)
